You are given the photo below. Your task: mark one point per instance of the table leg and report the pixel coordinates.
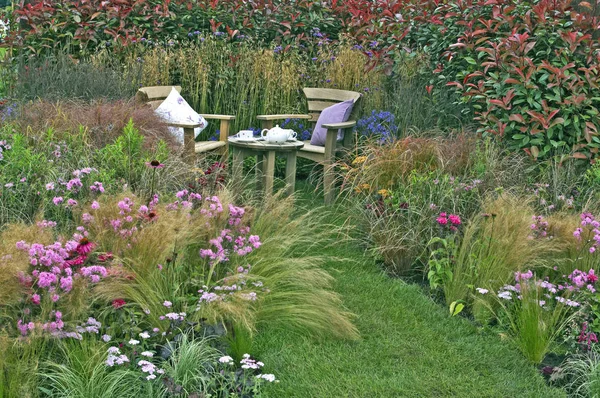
(290, 172)
(260, 171)
(269, 172)
(189, 145)
(237, 169)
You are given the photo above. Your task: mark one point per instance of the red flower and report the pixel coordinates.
(76, 261)
(105, 257)
(118, 303)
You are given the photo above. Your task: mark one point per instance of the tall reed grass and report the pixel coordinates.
(246, 80)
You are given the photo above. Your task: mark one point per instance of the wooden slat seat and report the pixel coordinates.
(155, 95)
(205, 146)
(317, 100)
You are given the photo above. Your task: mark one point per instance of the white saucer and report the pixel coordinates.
(244, 139)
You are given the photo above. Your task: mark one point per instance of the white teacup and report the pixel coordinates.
(245, 134)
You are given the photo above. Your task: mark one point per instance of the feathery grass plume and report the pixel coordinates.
(83, 373)
(19, 363)
(582, 374)
(191, 364)
(575, 253)
(533, 327)
(385, 166)
(299, 290)
(495, 245)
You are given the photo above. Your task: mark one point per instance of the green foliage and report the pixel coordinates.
(82, 373)
(533, 327)
(401, 224)
(526, 70)
(581, 373)
(440, 262)
(190, 368)
(59, 76)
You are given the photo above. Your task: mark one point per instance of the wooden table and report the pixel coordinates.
(265, 161)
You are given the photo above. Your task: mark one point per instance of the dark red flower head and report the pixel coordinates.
(118, 303)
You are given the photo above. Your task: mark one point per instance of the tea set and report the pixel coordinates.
(275, 135)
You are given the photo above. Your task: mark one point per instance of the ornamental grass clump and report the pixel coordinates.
(534, 317)
(494, 245)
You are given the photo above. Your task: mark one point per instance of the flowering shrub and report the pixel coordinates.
(379, 125)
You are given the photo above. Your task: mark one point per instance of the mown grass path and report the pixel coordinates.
(409, 347)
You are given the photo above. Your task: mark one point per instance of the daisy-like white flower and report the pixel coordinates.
(134, 342)
(148, 354)
(226, 359)
(145, 335)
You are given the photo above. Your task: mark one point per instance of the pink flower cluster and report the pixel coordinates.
(539, 227)
(52, 266)
(452, 221)
(186, 200)
(592, 226)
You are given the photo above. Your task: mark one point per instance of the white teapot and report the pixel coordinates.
(278, 135)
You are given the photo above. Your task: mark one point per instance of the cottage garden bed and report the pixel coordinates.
(467, 224)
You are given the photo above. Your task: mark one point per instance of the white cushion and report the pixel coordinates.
(175, 109)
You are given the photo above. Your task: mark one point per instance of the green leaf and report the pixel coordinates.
(470, 60)
(456, 307)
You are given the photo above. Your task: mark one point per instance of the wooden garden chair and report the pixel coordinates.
(319, 99)
(154, 96)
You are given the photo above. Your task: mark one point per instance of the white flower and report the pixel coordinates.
(134, 342)
(226, 359)
(482, 291)
(505, 295)
(268, 377)
(106, 338)
(113, 350)
(150, 377)
(145, 335)
(167, 304)
(110, 361)
(147, 354)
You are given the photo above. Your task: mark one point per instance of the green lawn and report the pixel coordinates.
(409, 347)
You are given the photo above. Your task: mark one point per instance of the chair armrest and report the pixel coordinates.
(184, 125)
(337, 126)
(280, 117)
(218, 117)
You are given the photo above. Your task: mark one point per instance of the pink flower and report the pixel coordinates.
(442, 220)
(57, 200)
(35, 299)
(85, 246)
(95, 205)
(454, 219)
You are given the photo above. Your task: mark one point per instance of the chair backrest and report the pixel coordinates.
(155, 95)
(321, 98)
